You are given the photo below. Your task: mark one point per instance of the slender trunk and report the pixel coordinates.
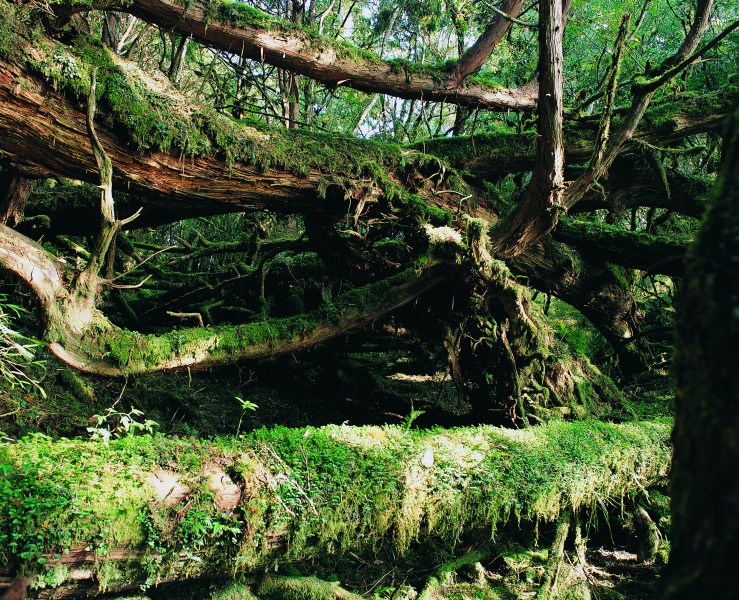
(14, 192)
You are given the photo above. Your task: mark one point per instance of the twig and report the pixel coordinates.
(124, 286)
(143, 262)
(187, 315)
(505, 15)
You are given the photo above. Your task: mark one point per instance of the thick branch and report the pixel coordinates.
(490, 156)
(40, 270)
(635, 250)
(600, 292)
(200, 185)
(632, 183)
(476, 55)
(237, 29)
(14, 192)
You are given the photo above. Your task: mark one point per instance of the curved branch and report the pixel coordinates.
(82, 337)
(39, 269)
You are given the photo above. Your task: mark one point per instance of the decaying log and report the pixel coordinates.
(144, 509)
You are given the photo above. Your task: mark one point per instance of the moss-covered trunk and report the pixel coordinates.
(146, 509)
(705, 491)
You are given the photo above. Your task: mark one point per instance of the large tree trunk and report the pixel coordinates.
(705, 498)
(145, 510)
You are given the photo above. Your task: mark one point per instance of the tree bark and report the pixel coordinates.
(705, 498)
(14, 192)
(537, 213)
(476, 55)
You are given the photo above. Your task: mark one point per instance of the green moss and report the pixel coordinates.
(436, 71)
(305, 492)
(425, 213)
(10, 22)
(239, 14)
(663, 112)
(234, 591)
(460, 150)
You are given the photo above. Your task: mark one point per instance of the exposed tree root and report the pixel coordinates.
(444, 574)
(556, 557)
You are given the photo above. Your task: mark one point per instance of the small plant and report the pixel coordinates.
(67, 65)
(17, 352)
(245, 405)
(117, 424)
(410, 417)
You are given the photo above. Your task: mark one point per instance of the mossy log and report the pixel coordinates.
(142, 510)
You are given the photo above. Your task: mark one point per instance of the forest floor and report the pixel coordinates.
(515, 574)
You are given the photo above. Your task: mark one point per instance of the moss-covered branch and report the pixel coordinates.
(237, 28)
(143, 509)
(636, 250)
(491, 155)
(109, 350)
(83, 337)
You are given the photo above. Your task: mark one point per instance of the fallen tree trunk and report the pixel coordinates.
(238, 29)
(188, 161)
(145, 509)
(637, 250)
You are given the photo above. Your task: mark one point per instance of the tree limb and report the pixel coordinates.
(221, 26)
